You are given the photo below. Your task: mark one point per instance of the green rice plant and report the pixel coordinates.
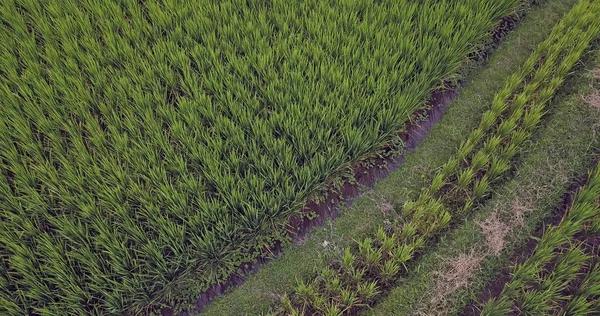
(407, 231)
(349, 298)
(381, 235)
(403, 253)
(466, 148)
(368, 290)
(288, 307)
(448, 168)
(519, 102)
(594, 223)
(332, 310)
(307, 294)
(320, 304)
(480, 160)
(549, 294)
(389, 271)
(507, 127)
(357, 275)
(492, 144)
(481, 187)
(498, 166)
(465, 178)
(429, 217)
(372, 259)
(585, 301)
(365, 246)
(510, 149)
(333, 286)
(437, 183)
(500, 104)
(485, 157)
(327, 274)
(488, 119)
(389, 244)
(172, 140)
(348, 259)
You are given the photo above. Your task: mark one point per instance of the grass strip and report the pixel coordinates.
(299, 261)
(364, 274)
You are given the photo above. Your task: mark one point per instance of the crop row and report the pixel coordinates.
(562, 276)
(487, 156)
(149, 148)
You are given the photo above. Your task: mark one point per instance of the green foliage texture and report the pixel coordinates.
(148, 148)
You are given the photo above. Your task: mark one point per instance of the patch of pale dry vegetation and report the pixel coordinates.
(519, 209)
(386, 207)
(494, 231)
(456, 274)
(593, 99)
(460, 270)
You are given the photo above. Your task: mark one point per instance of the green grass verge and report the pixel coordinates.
(301, 261)
(564, 149)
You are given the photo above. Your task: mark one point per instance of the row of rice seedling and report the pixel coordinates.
(466, 179)
(545, 282)
(149, 148)
(586, 300)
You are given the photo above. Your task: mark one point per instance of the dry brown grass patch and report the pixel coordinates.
(495, 231)
(457, 274)
(386, 207)
(593, 99)
(519, 208)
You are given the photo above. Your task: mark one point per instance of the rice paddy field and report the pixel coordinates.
(152, 151)
(366, 270)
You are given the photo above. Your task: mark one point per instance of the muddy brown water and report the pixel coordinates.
(300, 225)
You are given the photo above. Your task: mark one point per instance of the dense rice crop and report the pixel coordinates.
(466, 179)
(147, 148)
